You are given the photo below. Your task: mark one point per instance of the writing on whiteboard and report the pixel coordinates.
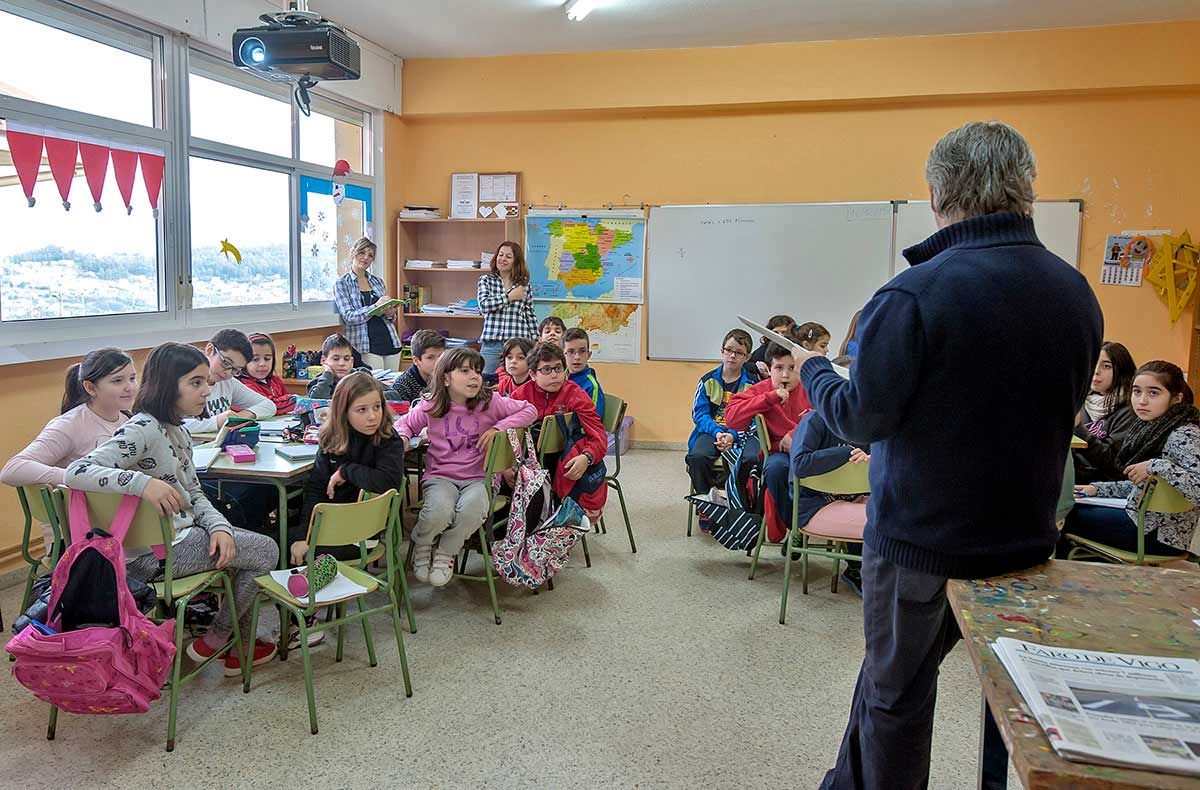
(868, 212)
(727, 221)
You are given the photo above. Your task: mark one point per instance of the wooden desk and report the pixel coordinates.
(1093, 606)
(268, 468)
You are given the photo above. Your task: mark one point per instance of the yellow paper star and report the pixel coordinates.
(228, 249)
(1173, 272)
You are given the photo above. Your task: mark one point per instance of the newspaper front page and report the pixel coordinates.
(1111, 708)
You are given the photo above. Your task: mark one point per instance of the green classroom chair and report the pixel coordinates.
(499, 458)
(1158, 497)
(151, 529)
(764, 449)
(614, 414)
(846, 479)
(40, 504)
(342, 525)
(551, 441)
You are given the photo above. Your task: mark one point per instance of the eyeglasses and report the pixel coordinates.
(225, 363)
(730, 352)
(552, 371)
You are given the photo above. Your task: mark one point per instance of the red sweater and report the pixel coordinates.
(272, 388)
(571, 398)
(761, 399)
(504, 383)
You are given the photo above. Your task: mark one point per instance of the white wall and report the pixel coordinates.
(213, 22)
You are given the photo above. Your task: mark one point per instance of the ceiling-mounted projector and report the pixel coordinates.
(295, 45)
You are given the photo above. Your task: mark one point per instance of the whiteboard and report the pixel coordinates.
(1057, 223)
(705, 265)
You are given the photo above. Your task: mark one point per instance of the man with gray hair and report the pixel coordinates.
(971, 367)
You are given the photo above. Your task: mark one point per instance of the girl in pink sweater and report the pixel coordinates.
(462, 415)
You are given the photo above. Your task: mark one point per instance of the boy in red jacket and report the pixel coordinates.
(782, 402)
(552, 394)
(260, 374)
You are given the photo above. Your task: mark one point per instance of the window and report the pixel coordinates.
(82, 74)
(232, 115)
(60, 264)
(325, 139)
(328, 232)
(247, 209)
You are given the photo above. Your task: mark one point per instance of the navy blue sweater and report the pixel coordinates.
(971, 367)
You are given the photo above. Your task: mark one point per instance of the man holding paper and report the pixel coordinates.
(968, 428)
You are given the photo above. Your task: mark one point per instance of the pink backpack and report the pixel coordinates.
(95, 669)
(528, 556)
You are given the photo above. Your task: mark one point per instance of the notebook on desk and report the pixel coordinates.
(298, 452)
(203, 457)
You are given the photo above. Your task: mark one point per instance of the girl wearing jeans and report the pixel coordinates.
(462, 415)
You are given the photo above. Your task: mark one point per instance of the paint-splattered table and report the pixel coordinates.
(1117, 608)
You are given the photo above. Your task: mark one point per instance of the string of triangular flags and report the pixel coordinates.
(63, 154)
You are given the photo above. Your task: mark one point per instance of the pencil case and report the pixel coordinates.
(324, 571)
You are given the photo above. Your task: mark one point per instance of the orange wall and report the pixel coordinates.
(35, 397)
(820, 122)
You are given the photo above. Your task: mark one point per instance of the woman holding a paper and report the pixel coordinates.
(367, 312)
(506, 304)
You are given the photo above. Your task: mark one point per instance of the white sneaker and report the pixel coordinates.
(442, 571)
(421, 558)
(717, 496)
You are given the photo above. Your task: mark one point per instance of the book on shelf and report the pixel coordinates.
(414, 263)
(420, 212)
(415, 296)
(454, 264)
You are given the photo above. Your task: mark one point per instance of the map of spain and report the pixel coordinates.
(615, 330)
(586, 258)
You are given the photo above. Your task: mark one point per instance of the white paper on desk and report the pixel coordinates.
(1101, 501)
(202, 457)
(340, 587)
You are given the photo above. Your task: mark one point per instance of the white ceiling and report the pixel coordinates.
(464, 28)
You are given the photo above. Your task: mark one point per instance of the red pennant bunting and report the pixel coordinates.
(95, 168)
(125, 170)
(63, 154)
(26, 150)
(153, 166)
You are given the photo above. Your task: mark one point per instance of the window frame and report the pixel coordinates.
(173, 58)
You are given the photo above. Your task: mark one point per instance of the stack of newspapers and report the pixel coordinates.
(1111, 708)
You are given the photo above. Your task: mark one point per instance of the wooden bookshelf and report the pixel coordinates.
(447, 239)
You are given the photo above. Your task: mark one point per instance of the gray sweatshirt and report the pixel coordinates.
(140, 449)
(226, 395)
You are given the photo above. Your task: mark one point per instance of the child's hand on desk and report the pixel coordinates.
(334, 481)
(298, 552)
(1086, 491)
(576, 467)
(1138, 473)
(724, 441)
(857, 456)
(486, 439)
(785, 444)
(166, 500)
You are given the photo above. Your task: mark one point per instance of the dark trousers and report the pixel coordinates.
(1110, 526)
(244, 505)
(909, 629)
(777, 479)
(700, 460)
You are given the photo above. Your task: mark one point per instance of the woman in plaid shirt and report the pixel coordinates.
(356, 294)
(505, 303)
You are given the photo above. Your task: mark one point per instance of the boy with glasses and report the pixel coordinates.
(711, 436)
(578, 349)
(228, 352)
(551, 393)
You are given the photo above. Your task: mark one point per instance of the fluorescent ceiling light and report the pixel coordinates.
(578, 9)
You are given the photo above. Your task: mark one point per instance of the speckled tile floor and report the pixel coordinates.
(661, 669)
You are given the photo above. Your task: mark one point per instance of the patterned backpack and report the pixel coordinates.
(529, 556)
(106, 657)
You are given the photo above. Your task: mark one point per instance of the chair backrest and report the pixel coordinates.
(848, 478)
(1162, 497)
(500, 453)
(551, 439)
(46, 505)
(147, 529)
(764, 436)
(38, 503)
(353, 522)
(614, 413)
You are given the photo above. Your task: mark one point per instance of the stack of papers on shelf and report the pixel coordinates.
(413, 263)
(453, 264)
(465, 307)
(460, 342)
(420, 212)
(439, 309)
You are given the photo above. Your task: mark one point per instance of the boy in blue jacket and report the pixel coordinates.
(817, 450)
(711, 437)
(578, 348)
